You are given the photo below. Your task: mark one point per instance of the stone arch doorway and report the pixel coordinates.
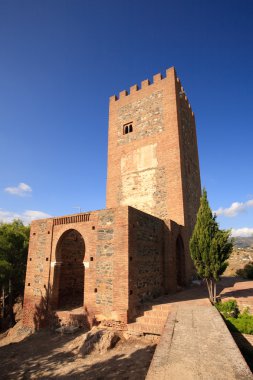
(68, 285)
(180, 261)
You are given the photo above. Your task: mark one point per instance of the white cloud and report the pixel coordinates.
(30, 215)
(242, 232)
(235, 208)
(26, 216)
(21, 190)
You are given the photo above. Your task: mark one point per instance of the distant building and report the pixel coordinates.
(108, 262)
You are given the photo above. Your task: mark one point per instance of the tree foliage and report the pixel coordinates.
(210, 247)
(14, 239)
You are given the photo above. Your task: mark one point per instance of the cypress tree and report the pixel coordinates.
(210, 247)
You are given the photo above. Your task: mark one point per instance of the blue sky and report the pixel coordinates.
(61, 60)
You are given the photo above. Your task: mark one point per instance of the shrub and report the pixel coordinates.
(242, 324)
(236, 321)
(228, 309)
(246, 272)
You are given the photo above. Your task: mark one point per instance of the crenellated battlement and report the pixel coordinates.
(183, 95)
(147, 83)
(144, 84)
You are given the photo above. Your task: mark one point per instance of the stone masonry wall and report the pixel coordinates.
(143, 182)
(154, 167)
(104, 254)
(146, 258)
(144, 166)
(190, 160)
(37, 274)
(148, 117)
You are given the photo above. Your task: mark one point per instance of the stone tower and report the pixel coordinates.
(107, 263)
(152, 151)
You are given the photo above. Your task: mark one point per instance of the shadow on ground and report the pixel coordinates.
(132, 367)
(37, 351)
(47, 355)
(238, 293)
(245, 348)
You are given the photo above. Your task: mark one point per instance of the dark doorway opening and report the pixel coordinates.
(69, 271)
(180, 261)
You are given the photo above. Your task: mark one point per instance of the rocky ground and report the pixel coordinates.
(96, 355)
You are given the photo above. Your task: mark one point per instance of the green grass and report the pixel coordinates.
(236, 321)
(228, 308)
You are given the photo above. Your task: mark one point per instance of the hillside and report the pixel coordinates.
(239, 258)
(243, 242)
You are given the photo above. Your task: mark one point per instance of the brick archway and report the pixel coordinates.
(68, 284)
(180, 261)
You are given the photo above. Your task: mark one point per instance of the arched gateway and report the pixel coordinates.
(68, 285)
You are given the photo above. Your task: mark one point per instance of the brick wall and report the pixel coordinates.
(144, 166)
(189, 158)
(159, 259)
(104, 260)
(146, 258)
(37, 274)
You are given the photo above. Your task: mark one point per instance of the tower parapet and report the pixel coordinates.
(144, 84)
(147, 83)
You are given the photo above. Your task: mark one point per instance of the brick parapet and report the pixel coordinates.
(144, 84)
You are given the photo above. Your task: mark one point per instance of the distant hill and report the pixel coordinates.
(243, 242)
